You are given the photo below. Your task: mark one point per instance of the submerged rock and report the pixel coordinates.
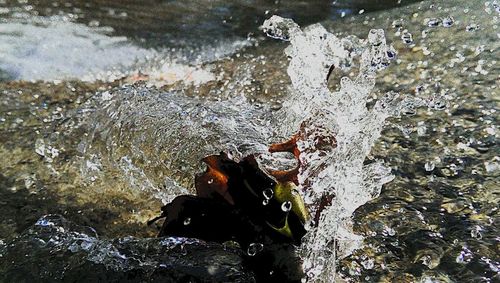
(56, 250)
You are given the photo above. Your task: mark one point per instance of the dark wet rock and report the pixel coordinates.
(56, 250)
(240, 202)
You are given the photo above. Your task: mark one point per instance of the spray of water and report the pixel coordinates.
(339, 172)
(157, 138)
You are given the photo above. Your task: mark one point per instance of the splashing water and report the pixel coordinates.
(340, 171)
(438, 214)
(129, 128)
(157, 139)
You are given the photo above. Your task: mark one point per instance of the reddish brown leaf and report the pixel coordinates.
(213, 181)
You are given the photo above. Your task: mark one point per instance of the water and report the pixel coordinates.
(77, 254)
(448, 139)
(31, 51)
(149, 129)
(414, 171)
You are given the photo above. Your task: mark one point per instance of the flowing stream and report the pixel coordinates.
(104, 123)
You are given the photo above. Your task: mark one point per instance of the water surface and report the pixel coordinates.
(78, 139)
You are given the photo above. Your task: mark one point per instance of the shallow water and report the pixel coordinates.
(106, 155)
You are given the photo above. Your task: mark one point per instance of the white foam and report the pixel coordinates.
(57, 49)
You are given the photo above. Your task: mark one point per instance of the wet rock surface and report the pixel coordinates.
(56, 250)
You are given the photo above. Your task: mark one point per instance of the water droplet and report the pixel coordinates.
(254, 248)
(391, 53)
(397, 24)
(40, 147)
(496, 6)
(448, 21)
(410, 110)
(465, 256)
(268, 193)
(407, 37)
(286, 206)
(279, 28)
(368, 264)
(472, 27)
(187, 221)
(491, 166)
(376, 37)
(265, 202)
(476, 232)
(183, 250)
(433, 22)
(438, 105)
(429, 166)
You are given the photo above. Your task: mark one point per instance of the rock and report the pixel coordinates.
(56, 250)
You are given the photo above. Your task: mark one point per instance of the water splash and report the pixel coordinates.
(340, 172)
(157, 139)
